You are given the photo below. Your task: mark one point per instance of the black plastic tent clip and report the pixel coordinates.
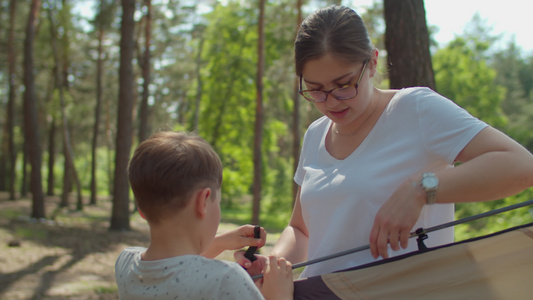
(251, 250)
(420, 240)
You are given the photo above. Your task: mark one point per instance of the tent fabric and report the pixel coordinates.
(498, 266)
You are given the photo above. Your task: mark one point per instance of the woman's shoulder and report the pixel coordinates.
(319, 124)
(416, 93)
(419, 97)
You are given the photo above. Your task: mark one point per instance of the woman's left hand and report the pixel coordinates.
(396, 218)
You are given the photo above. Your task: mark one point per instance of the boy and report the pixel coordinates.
(176, 179)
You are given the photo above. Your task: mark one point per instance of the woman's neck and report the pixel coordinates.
(368, 117)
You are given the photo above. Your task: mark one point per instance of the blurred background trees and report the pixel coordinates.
(194, 66)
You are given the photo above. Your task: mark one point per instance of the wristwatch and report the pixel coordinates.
(430, 183)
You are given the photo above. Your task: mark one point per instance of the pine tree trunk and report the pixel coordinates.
(199, 83)
(144, 111)
(120, 212)
(296, 115)
(61, 83)
(24, 180)
(258, 132)
(67, 182)
(97, 111)
(51, 157)
(407, 44)
(31, 128)
(10, 111)
(3, 158)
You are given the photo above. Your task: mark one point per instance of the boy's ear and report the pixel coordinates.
(141, 213)
(201, 198)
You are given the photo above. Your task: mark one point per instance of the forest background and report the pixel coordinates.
(78, 94)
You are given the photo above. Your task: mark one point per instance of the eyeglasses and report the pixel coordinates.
(344, 92)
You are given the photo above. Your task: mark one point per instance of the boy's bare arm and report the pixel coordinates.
(235, 239)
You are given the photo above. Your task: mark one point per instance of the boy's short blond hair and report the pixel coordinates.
(167, 168)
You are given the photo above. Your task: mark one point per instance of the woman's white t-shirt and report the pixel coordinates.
(418, 131)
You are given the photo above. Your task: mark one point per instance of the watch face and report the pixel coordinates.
(430, 182)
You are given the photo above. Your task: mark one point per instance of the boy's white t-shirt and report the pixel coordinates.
(181, 277)
(418, 131)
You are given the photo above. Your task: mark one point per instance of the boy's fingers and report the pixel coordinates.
(248, 238)
(241, 260)
(252, 242)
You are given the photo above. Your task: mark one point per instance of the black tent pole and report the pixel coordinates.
(418, 232)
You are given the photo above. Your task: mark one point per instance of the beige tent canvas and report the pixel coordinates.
(498, 266)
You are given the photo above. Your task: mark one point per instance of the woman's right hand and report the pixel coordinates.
(277, 282)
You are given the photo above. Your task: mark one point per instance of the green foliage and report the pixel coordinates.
(463, 76)
(227, 109)
(514, 72)
(83, 166)
(273, 218)
(494, 86)
(489, 86)
(494, 223)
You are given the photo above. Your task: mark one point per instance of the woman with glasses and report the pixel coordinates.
(380, 163)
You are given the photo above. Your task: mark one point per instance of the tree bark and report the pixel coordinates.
(24, 179)
(407, 44)
(258, 128)
(120, 213)
(3, 158)
(144, 112)
(31, 128)
(199, 83)
(296, 114)
(67, 180)
(51, 157)
(97, 109)
(109, 137)
(70, 172)
(10, 111)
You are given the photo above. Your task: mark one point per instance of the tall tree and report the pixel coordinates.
(24, 179)
(514, 72)
(61, 84)
(407, 44)
(198, 33)
(10, 111)
(51, 156)
(144, 111)
(296, 113)
(102, 22)
(31, 126)
(120, 213)
(258, 128)
(3, 157)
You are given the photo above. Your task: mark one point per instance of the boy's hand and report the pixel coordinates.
(241, 237)
(277, 280)
(253, 268)
(234, 239)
